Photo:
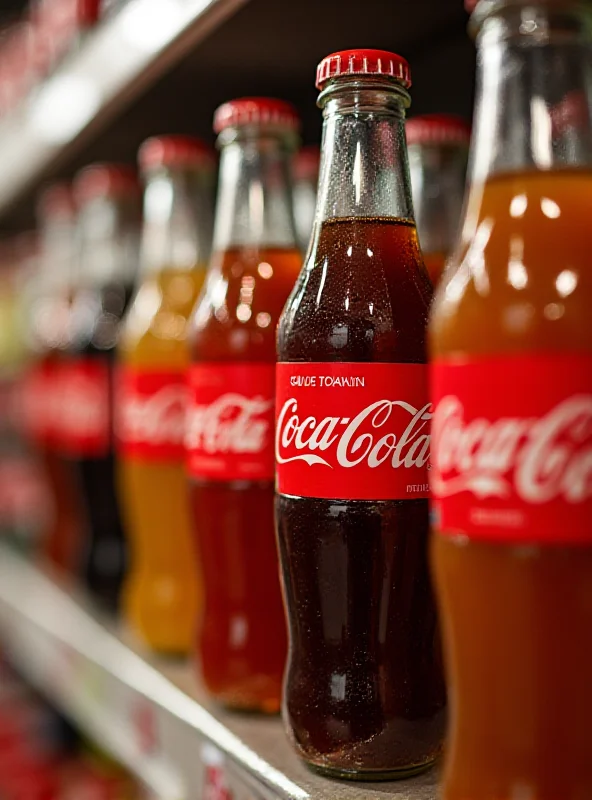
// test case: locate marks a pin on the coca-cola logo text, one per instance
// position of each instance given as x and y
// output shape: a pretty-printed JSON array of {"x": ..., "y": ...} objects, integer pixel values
[
  {"x": 538, "y": 459},
  {"x": 347, "y": 442},
  {"x": 231, "y": 424},
  {"x": 154, "y": 419}
]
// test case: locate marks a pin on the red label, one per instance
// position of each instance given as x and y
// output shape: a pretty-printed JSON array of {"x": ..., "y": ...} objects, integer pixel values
[
  {"x": 84, "y": 426},
  {"x": 39, "y": 398},
  {"x": 353, "y": 431},
  {"x": 230, "y": 421},
  {"x": 151, "y": 412},
  {"x": 215, "y": 781},
  {"x": 512, "y": 455}
]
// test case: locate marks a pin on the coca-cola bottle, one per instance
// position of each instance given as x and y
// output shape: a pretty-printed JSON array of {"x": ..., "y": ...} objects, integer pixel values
[
  {"x": 364, "y": 694},
  {"x": 255, "y": 262},
  {"x": 49, "y": 299},
  {"x": 109, "y": 201},
  {"x": 438, "y": 146},
  {"x": 511, "y": 346}
]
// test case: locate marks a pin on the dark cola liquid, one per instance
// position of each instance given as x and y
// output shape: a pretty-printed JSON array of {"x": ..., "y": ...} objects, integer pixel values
[
  {"x": 104, "y": 553},
  {"x": 364, "y": 692}
]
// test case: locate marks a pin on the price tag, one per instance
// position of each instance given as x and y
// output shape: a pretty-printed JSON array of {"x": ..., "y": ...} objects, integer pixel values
[
  {"x": 145, "y": 726},
  {"x": 215, "y": 779}
]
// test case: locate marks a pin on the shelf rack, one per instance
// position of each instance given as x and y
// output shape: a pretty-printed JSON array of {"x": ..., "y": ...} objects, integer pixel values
[
  {"x": 115, "y": 62},
  {"x": 162, "y": 66},
  {"x": 150, "y": 714}
]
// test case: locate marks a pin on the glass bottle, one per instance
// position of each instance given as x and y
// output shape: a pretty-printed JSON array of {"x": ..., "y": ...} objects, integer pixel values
[
  {"x": 161, "y": 589},
  {"x": 49, "y": 299},
  {"x": 108, "y": 197},
  {"x": 242, "y": 636},
  {"x": 511, "y": 343},
  {"x": 306, "y": 178},
  {"x": 438, "y": 146},
  {"x": 364, "y": 694}
]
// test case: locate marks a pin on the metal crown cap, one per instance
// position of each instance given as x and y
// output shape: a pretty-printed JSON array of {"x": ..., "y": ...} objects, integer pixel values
[
  {"x": 438, "y": 129},
  {"x": 256, "y": 111},
  {"x": 175, "y": 151},
  {"x": 105, "y": 180},
  {"x": 364, "y": 62}
]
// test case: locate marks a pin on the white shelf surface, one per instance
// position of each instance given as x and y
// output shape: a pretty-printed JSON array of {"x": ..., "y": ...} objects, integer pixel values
[
  {"x": 152, "y": 715},
  {"x": 125, "y": 53}
]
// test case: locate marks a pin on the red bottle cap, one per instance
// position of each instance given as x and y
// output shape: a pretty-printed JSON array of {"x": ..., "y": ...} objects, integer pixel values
[
  {"x": 306, "y": 163},
  {"x": 56, "y": 200},
  {"x": 105, "y": 180},
  {"x": 438, "y": 129},
  {"x": 175, "y": 151},
  {"x": 364, "y": 62},
  {"x": 256, "y": 111}
]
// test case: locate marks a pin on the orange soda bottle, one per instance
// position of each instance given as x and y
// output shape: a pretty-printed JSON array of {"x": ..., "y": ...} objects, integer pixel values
[{"x": 161, "y": 592}]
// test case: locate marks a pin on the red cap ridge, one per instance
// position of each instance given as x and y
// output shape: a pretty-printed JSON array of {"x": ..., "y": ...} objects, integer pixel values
[
  {"x": 175, "y": 151},
  {"x": 437, "y": 129},
  {"x": 256, "y": 111},
  {"x": 105, "y": 180},
  {"x": 364, "y": 62}
]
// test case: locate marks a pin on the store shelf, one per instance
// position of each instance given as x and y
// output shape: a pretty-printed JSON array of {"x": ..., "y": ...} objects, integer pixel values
[
  {"x": 125, "y": 53},
  {"x": 152, "y": 716}
]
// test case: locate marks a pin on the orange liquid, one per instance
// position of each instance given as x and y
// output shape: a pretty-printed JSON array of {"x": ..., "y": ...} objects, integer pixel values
[
  {"x": 242, "y": 642},
  {"x": 517, "y": 620},
  {"x": 161, "y": 593},
  {"x": 435, "y": 263}
]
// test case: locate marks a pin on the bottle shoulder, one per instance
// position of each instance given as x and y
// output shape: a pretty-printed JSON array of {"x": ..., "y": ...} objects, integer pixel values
[
  {"x": 514, "y": 295},
  {"x": 363, "y": 295},
  {"x": 156, "y": 326},
  {"x": 237, "y": 315}
]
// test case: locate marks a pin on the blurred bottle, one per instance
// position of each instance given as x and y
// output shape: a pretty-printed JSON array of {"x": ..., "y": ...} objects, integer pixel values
[
  {"x": 109, "y": 201},
  {"x": 306, "y": 176},
  {"x": 24, "y": 501},
  {"x": 511, "y": 386},
  {"x": 438, "y": 146},
  {"x": 49, "y": 295},
  {"x": 161, "y": 594},
  {"x": 242, "y": 638}
]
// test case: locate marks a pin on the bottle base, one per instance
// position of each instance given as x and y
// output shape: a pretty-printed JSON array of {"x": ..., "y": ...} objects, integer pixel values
[{"x": 368, "y": 776}]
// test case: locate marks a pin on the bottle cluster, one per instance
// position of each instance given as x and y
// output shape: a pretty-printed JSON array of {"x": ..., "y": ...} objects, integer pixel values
[{"x": 245, "y": 451}]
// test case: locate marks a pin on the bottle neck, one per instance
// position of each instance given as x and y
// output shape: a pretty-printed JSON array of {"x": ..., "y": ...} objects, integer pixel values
[
  {"x": 177, "y": 220},
  {"x": 438, "y": 174},
  {"x": 364, "y": 168},
  {"x": 108, "y": 231},
  {"x": 254, "y": 207},
  {"x": 534, "y": 90},
  {"x": 57, "y": 254}
]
